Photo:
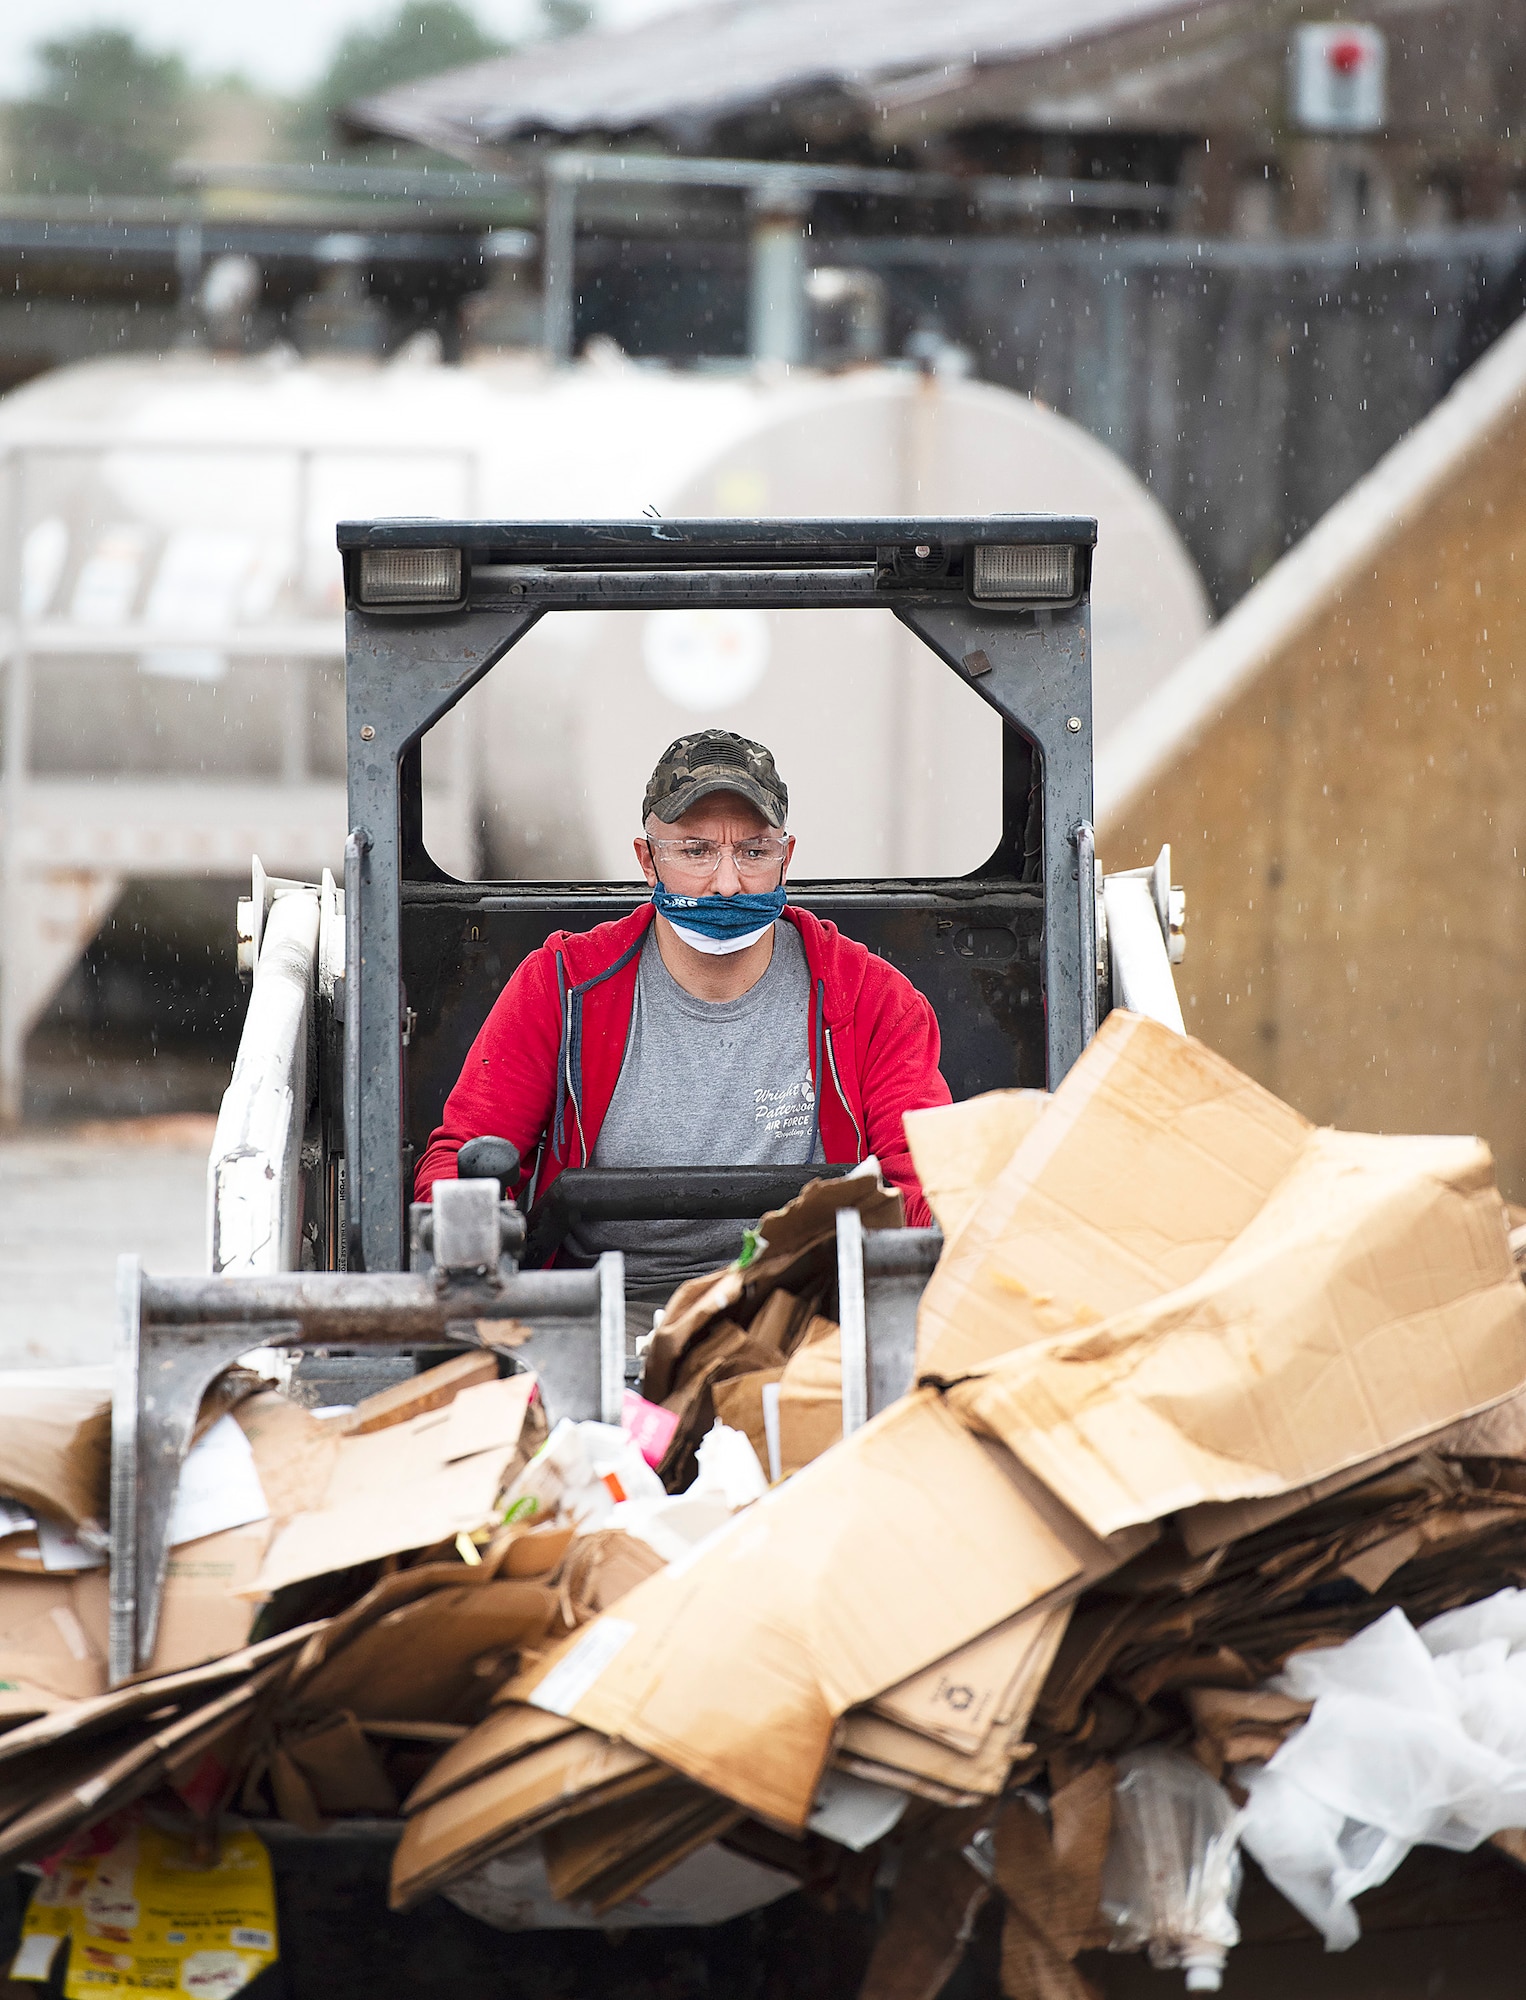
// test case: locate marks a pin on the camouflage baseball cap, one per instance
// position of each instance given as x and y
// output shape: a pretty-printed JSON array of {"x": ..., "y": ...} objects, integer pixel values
[{"x": 714, "y": 760}]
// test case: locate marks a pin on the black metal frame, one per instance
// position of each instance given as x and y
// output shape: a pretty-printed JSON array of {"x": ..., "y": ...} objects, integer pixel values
[{"x": 407, "y": 666}]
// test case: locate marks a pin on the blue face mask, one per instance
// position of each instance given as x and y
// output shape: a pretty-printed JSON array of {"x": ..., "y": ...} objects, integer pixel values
[{"x": 719, "y": 924}]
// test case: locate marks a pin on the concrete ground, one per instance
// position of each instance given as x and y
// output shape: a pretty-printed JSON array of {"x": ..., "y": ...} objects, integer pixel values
[{"x": 71, "y": 1201}]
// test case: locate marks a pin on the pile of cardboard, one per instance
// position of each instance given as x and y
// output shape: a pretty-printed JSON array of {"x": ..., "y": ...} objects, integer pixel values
[
  {"x": 1194, "y": 1387},
  {"x": 1199, "y": 1385},
  {"x": 752, "y": 1346}
]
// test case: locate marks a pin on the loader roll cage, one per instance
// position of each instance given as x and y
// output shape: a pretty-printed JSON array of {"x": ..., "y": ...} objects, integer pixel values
[
  {"x": 1008, "y": 955},
  {"x": 347, "y": 1055}
]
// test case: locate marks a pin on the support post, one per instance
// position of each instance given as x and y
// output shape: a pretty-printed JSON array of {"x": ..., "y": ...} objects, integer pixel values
[
  {"x": 776, "y": 307},
  {"x": 558, "y": 271},
  {"x": 1034, "y": 668},
  {"x": 401, "y": 676},
  {"x": 853, "y": 1329}
]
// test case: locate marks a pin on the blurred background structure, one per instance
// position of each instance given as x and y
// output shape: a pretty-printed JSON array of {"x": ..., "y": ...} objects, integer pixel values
[
  {"x": 1335, "y": 766},
  {"x": 1197, "y": 268}
]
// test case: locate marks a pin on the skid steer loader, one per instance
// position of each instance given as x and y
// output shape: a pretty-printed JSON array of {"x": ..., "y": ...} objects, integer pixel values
[{"x": 366, "y": 994}]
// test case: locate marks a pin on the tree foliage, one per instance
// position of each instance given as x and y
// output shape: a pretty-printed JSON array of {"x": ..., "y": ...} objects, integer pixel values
[
  {"x": 567, "y": 17},
  {"x": 423, "y": 38},
  {"x": 108, "y": 117}
]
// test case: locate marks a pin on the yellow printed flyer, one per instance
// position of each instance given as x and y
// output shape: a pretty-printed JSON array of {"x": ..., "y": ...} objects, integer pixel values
[{"x": 153, "y": 1919}]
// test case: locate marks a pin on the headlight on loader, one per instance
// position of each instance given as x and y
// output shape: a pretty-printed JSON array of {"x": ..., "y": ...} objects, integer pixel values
[
  {"x": 410, "y": 576},
  {"x": 1032, "y": 575}
]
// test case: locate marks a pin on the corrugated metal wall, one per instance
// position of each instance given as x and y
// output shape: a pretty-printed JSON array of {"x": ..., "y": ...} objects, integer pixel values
[{"x": 1249, "y": 384}]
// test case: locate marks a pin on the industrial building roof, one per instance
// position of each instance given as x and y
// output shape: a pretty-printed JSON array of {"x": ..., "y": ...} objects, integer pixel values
[{"x": 691, "y": 70}]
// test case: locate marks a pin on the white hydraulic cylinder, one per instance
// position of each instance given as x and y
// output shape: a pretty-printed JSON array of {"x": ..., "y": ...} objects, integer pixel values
[
  {"x": 1141, "y": 961},
  {"x": 254, "y": 1212}
]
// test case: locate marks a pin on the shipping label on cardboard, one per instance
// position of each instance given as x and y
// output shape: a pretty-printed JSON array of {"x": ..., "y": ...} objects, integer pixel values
[{"x": 572, "y": 1676}]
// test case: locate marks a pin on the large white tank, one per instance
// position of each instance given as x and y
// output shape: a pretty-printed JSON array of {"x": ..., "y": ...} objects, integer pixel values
[
  {"x": 178, "y": 590},
  {"x": 893, "y": 764}
]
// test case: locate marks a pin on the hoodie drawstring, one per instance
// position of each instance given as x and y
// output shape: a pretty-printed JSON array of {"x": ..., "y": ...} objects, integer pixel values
[
  {"x": 821, "y": 1014},
  {"x": 569, "y": 1067}
]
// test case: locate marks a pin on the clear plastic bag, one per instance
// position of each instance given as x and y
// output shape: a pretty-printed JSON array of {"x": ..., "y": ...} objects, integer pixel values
[
  {"x": 1172, "y": 1873},
  {"x": 1416, "y": 1738}
]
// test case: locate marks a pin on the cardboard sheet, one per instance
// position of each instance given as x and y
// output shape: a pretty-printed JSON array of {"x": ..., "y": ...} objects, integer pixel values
[
  {"x": 872, "y": 1746},
  {"x": 739, "y": 1404},
  {"x": 932, "y": 1910},
  {"x": 22, "y": 1701},
  {"x": 574, "y": 1773},
  {"x": 990, "y": 1684},
  {"x": 342, "y": 1771},
  {"x": 1369, "y": 1300},
  {"x": 1214, "y": 1524},
  {"x": 419, "y": 1393},
  {"x": 1050, "y": 1873},
  {"x": 43, "y": 1643},
  {"x": 118, "y": 1776},
  {"x": 1149, "y": 1160},
  {"x": 1498, "y": 1432},
  {"x": 509, "y": 1732},
  {"x": 55, "y": 1441},
  {"x": 427, "y": 1658},
  {"x": 408, "y": 1486},
  {"x": 905, "y": 1542},
  {"x": 205, "y": 1610},
  {"x": 810, "y": 1400},
  {"x": 81, "y": 1720},
  {"x": 294, "y": 1452},
  {"x": 959, "y": 1149},
  {"x": 604, "y": 1857}
]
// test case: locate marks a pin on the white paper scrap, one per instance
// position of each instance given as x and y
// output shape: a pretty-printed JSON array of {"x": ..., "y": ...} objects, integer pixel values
[
  {"x": 219, "y": 1487},
  {"x": 35, "y": 1958},
  {"x": 570, "y": 1679},
  {"x": 853, "y": 1812},
  {"x": 14, "y": 1518},
  {"x": 61, "y": 1550}
]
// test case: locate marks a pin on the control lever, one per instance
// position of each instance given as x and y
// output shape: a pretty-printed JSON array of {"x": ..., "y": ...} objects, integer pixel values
[
  {"x": 489, "y": 1159},
  {"x": 478, "y": 1234}
]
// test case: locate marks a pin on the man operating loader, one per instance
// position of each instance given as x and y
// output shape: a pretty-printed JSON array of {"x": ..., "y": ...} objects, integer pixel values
[{"x": 717, "y": 1025}]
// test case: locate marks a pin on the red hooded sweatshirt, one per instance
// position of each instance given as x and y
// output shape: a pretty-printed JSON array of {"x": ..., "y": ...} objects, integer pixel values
[{"x": 543, "y": 1069}]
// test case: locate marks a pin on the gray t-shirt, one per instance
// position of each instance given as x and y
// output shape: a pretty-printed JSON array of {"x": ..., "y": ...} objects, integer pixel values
[{"x": 704, "y": 1083}]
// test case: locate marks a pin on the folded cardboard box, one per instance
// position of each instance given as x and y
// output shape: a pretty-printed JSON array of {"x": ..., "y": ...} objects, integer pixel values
[
  {"x": 871, "y": 1746},
  {"x": 796, "y": 1253},
  {"x": 907, "y": 1541},
  {"x": 987, "y": 1686},
  {"x": 510, "y": 1805},
  {"x": 604, "y": 1857},
  {"x": 1177, "y": 1292},
  {"x": 1149, "y": 1159}
]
